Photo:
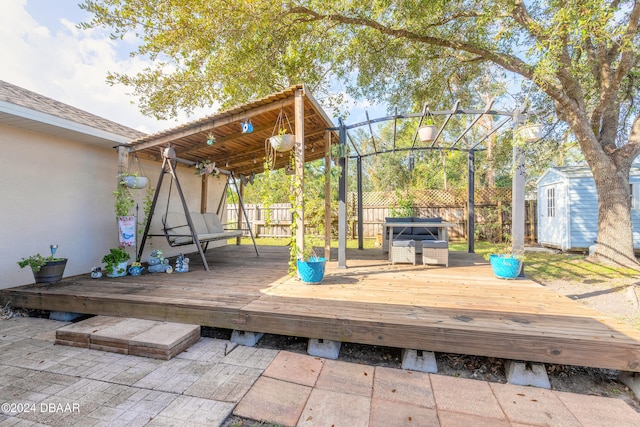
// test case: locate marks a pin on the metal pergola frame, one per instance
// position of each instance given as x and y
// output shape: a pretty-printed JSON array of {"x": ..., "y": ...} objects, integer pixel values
[{"x": 515, "y": 116}]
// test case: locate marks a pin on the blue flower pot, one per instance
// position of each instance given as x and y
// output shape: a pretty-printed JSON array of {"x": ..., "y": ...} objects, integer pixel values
[
  {"x": 505, "y": 267},
  {"x": 311, "y": 271}
]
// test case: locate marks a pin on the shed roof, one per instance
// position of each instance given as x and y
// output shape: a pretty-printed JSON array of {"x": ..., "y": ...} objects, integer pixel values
[
  {"x": 29, "y": 110},
  {"x": 233, "y": 150},
  {"x": 579, "y": 172}
]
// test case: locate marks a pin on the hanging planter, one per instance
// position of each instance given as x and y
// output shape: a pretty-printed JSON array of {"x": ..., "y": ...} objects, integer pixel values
[
  {"x": 134, "y": 181},
  {"x": 427, "y": 133},
  {"x": 282, "y": 142},
  {"x": 134, "y": 177},
  {"x": 531, "y": 132},
  {"x": 282, "y": 138},
  {"x": 427, "y": 130}
]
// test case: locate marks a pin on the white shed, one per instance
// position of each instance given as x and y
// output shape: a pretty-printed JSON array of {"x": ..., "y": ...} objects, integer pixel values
[{"x": 568, "y": 208}]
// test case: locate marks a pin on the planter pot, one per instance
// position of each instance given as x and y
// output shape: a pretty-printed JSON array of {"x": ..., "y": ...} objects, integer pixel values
[
  {"x": 133, "y": 181},
  {"x": 311, "y": 271},
  {"x": 530, "y": 133},
  {"x": 282, "y": 142},
  {"x": 505, "y": 267},
  {"x": 427, "y": 133},
  {"x": 120, "y": 270},
  {"x": 51, "y": 272}
]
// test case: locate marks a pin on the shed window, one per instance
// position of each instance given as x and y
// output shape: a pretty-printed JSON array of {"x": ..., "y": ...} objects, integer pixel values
[
  {"x": 551, "y": 202},
  {"x": 635, "y": 196}
]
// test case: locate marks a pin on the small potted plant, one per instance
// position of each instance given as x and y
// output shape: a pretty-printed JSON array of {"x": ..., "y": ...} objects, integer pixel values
[
  {"x": 310, "y": 267},
  {"x": 506, "y": 264},
  {"x": 116, "y": 262},
  {"x": 45, "y": 269}
]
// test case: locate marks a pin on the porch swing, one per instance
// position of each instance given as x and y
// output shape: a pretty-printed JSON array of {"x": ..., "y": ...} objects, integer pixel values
[{"x": 187, "y": 228}]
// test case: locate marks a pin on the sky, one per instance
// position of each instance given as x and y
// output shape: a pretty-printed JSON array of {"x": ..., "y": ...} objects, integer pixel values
[{"x": 43, "y": 51}]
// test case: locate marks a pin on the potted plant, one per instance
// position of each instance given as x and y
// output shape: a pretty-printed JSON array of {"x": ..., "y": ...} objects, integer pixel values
[
  {"x": 116, "y": 262},
  {"x": 428, "y": 130},
  {"x": 311, "y": 269},
  {"x": 45, "y": 269},
  {"x": 283, "y": 141},
  {"x": 282, "y": 138},
  {"x": 506, "y": 264}
]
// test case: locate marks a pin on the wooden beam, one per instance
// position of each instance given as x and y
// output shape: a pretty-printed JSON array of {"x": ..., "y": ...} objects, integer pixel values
[
  {"x": 327, "y": 195},
  {"x": 299, "y": 164}
]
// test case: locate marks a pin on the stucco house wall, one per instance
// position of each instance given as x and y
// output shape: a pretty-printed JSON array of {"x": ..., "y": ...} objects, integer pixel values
[{"x": 58, "y": 174}]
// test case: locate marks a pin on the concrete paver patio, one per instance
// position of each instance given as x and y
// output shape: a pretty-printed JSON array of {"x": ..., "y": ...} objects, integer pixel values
[{"x": 46, "y": 384}]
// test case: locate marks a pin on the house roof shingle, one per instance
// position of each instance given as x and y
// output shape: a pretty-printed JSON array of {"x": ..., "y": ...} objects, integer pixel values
[{"x": 17, "y": 95}]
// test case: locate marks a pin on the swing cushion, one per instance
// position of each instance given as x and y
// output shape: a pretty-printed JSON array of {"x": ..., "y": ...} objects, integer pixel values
[{"x": 207, "y": 227}]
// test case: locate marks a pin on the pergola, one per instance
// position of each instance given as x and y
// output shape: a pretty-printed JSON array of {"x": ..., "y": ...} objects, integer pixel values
[
  {"x": 224, "y": 139},
  {"x": 456, "y": 142}
]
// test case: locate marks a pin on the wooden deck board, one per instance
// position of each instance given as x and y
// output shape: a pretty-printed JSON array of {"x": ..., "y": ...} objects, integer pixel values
[{"x": 460, "y": 309}]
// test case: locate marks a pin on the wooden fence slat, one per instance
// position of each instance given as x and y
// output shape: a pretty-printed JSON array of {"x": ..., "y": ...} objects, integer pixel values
[{"x": 492, "y": 219}]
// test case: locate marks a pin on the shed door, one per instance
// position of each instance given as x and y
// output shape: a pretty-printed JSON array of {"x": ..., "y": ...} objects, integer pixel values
[{"x": 551, "y": 221}]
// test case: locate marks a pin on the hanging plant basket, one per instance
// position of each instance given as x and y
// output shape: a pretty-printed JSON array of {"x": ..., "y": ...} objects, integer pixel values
[
  {"x": 530, "y": 133},
  {"x": 133, "y": 181},
  {"x": 427, "y": 133},
  {"x": 283, "y": 142},
  {"x": 134, "y": 176}
]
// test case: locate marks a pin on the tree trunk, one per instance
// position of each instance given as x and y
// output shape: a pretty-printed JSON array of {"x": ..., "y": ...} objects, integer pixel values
[{"x": 615, "y": 233}]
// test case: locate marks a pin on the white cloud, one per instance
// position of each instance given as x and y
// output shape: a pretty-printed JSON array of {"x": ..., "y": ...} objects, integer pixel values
[{"x": 70, "y": 65}]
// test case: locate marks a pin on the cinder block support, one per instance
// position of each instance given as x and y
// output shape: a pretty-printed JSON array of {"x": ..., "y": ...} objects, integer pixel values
[
  {"x": 631, "y": 380},
  {"x": 419, "y": 360},
  {"x": 246, "y": 338},
  {"x": 64, "y": 316},
  {"x": 323, "y": 348},
  {"x": 529, "y": 374}
]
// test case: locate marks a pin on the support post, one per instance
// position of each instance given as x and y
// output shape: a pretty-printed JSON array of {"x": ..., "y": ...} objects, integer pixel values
[
  {"x": 204, "y": 190},
  {"x": 518, "y": 193},
  {"x": 327, "y": 195},
  {"x": 360, "y": 213},
  {"x": 240, "y": 210},
  {"x": 123, "y": 160},
  {"x": 342, "y": 198},
  {"x": 471, "y": 201},
  {"x": 299, "y": 168}
]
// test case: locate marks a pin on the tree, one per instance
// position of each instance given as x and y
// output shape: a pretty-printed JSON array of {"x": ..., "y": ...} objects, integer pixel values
[{"x": 582, "y": 55}]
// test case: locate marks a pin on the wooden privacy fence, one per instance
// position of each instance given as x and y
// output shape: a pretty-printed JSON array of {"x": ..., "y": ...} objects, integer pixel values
[{"x": 492, "y": 210}]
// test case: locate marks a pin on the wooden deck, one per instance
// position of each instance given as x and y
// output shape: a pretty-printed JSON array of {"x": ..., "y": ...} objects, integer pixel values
[{"x": 461, "y": 309}]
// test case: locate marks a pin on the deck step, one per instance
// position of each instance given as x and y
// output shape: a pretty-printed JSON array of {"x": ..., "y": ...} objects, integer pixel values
[{"x": 147, "y": 338}]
